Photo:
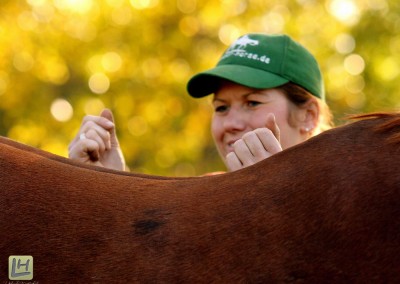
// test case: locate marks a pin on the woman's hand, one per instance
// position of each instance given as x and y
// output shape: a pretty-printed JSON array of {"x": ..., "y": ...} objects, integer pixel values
[
  {"x": 255, "y": 145},
  {"x": 96, "y": 142}
]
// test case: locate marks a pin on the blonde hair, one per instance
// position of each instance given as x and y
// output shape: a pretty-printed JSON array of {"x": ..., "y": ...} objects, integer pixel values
[{"x": 299, "y": 96}]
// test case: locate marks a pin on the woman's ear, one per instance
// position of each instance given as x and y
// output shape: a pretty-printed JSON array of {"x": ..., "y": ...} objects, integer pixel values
[{"x": 310, "y": 117}]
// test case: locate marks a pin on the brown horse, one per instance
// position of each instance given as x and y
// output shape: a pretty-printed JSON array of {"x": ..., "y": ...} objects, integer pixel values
[{"x": 327, "y": 210}]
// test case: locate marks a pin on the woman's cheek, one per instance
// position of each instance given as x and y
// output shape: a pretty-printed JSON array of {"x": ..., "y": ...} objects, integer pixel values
[{"x": 217, "y": 134}]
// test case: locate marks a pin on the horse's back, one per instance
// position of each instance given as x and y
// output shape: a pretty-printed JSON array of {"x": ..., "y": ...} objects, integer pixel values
[{"x": 323, "y": 211}]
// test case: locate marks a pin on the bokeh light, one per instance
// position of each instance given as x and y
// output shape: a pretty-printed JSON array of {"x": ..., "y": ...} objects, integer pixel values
[
  {"x": 354, "y": 64},
  {"x": 345, "y": 11},
  {"x": 143, "y": 4},
  {"x": 77, "y": 6},
  {"x": 388, "y": 69},
  {"x": 99, "y": 83},
  {"x": 186, "y": 6},
  {"x": 111, "y": 61},
  {"x": 345, "y": 43},
  {"x": 23, "y": 61},
  {"x": 61, "y": 110}
]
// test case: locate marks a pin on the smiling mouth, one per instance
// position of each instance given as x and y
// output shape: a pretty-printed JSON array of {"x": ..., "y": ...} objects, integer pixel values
[{"x": 229, "y": 146}]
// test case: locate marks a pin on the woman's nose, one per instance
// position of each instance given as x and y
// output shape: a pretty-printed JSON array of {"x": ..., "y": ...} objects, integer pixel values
[{"x": 235, "y": 120}]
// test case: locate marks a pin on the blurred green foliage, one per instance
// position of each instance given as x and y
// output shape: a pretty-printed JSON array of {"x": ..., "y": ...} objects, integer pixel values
[{"x": 63, "y": 59}]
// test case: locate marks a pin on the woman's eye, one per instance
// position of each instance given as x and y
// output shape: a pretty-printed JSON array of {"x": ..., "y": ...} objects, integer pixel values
[
  {"x": 220, "y": 108},
  {"x": 253, "y": 103}
]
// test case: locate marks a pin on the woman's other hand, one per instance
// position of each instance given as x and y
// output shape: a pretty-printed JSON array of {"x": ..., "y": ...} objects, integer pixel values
[{"x": 96, "y": 142}]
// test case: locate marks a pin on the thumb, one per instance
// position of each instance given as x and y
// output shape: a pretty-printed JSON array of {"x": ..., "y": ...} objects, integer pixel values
[
  {"x": 271, "y": 125},
  {"x": 107, "y": 113}
]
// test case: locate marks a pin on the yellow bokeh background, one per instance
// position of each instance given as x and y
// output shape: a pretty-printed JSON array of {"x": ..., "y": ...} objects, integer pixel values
[{"x": 63, "y": 59}]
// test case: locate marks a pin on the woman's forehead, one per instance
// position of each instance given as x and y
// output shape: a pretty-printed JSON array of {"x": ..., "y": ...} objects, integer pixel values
[{"x": 241, "y": 92}]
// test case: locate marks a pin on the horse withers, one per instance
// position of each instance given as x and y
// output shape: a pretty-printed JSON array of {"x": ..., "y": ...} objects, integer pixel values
[{"x": 326, "y": 210}]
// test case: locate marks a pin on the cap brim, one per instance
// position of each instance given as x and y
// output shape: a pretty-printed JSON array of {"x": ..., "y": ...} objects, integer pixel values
[{"x": 207, "y": 82}]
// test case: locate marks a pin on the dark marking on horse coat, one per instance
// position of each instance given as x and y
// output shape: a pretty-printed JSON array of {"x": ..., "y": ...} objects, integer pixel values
[
  {"x": 327, "y": 210},
  {"x": 144, "y": 227}
]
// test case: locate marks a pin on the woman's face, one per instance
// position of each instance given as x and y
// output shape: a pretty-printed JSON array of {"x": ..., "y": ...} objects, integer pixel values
[{"x": 239, "y": 109}]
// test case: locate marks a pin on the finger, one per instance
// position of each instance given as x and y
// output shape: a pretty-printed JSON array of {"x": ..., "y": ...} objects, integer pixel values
[
  {"x": 95, "y": 131},
  {"x": 107, "y": 114},
  {"x": 255, "y": 146},
  {"x": 85, "y": 150},
  {"x": 91, "y": 121},
  {"x": 101, "y": 137},
  {"x": 232, "y": 162},
  {"x": 243, "y": 153},
  {"x": 104, "y": 122},
  {"x": 91, "y": 134},
  {"x": 273, "y": 126},
  {"x": 100, "y": 124},
  {"x": 268, "y": 140}
]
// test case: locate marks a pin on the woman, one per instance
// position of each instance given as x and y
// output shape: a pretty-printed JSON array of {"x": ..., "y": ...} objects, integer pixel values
[{"x": 268, "y": 96}]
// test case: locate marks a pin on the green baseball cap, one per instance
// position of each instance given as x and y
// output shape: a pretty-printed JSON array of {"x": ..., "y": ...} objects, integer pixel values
[{"x": 262, "y": 61}]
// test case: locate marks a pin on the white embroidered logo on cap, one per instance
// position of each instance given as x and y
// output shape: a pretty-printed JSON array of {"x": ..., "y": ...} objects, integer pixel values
[
  {"x": 243, "y": 42},
  {"x": 238, "y": 49}
]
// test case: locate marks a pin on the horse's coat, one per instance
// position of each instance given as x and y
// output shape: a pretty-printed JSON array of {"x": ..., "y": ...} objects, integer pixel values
[{"x": 327, "y": 210}]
